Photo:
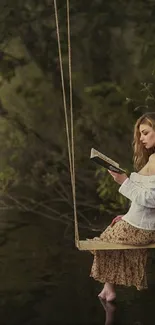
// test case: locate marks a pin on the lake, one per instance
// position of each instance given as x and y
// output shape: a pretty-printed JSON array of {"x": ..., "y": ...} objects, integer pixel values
[{"x": 44, "y": 279}]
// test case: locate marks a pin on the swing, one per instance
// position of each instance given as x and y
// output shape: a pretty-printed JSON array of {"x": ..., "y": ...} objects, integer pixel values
[{"x": 83, "y": 245}]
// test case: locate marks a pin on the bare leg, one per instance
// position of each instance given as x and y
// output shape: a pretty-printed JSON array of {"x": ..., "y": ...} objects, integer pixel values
[{"x": 108, "y": 293}]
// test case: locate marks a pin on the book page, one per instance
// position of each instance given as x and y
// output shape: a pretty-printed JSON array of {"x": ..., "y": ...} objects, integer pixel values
[{"x": 95, "y": 153}]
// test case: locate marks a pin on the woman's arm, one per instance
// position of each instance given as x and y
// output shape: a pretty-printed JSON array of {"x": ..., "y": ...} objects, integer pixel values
[{"x": 140, "y": 195}]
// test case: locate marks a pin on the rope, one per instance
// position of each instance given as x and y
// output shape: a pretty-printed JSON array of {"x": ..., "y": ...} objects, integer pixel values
[
  {"x": 72, "y": 125},
  {"x": 70, "y": 143}
]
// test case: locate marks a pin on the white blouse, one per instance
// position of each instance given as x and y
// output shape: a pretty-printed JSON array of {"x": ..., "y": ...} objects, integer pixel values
[{"x": 140, "y": 189}]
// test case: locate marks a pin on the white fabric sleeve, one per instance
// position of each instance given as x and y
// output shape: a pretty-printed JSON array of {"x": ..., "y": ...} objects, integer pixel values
[{"x": 138, "y": 194}]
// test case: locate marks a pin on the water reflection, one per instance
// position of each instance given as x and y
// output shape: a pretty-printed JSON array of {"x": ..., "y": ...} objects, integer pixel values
[
  {"x": 110, "y": 309},
  {"x": 128, "y": 313},
  {"x": 44, "y": 279}
]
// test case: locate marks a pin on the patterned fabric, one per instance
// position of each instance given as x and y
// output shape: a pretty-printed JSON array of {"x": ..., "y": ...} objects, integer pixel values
[{"x": 123, "y": 267}]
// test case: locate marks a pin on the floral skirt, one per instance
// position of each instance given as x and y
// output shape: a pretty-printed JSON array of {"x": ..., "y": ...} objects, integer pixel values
[{"x": 123, "y": 267}]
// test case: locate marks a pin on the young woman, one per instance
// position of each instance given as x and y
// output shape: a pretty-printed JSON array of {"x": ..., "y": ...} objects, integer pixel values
[{"x": 137, "y": 226}]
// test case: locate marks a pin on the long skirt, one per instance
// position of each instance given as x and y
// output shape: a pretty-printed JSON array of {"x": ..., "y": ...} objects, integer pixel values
[{"x": 123, "y": 267}]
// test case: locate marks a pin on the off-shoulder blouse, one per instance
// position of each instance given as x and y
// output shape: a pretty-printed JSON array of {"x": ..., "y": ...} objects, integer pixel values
[{"x": 140, "y": 189}]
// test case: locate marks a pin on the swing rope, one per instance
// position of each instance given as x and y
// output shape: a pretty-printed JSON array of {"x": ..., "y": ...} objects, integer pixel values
[
  {"x": 82, "y": 245},
  {"x": 69, "y": 132}
]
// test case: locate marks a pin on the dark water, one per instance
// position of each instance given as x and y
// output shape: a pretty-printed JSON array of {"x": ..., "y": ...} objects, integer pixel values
[{"x": 44, "y": 279}]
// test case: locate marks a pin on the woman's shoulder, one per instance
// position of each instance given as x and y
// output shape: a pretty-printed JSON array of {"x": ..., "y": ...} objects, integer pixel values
[
  {"x": 151, "y": 165},
  {"x": 152, "y": 158},
  {"x": 147, "y": 173}
]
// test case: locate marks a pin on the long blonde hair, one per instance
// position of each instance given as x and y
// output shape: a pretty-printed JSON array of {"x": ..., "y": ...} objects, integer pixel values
[{"x": 141, "y": 154}]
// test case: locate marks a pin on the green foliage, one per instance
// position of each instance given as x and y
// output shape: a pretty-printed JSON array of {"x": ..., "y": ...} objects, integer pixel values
[
  {"x": 8, "y": 178},
  {"x": 113, "y": 83},
  {"x": 107, "y": 189}
]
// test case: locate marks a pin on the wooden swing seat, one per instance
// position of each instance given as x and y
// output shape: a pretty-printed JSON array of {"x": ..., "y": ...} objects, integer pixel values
[{"x": 88, "y": 245}]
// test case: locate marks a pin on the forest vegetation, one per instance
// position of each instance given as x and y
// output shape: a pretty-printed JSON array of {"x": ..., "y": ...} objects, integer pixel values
[{"x": 113, "y": 67}]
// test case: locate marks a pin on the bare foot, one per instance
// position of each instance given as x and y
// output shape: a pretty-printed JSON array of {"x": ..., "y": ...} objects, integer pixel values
[{"x": 108, "y": 292}]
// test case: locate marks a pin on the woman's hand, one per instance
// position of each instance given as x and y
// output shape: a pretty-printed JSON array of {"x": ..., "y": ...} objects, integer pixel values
[
  {"x": 116, "y": 219},
  {"x": 119, "y": 178}
]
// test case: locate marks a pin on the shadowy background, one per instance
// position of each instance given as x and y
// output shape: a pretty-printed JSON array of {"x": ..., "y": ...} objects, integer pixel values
[{"x": 44, "y": 279}]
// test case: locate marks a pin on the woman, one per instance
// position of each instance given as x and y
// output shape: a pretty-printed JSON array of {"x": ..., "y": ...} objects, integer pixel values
[{"x": 137, "y": 226}]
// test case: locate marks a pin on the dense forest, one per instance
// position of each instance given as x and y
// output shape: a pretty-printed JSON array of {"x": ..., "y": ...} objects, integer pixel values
[{"x": 113, "y": 67}]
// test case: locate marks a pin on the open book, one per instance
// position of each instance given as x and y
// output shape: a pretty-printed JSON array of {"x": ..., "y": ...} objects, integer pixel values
[{"x": 106, "y": 162}]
